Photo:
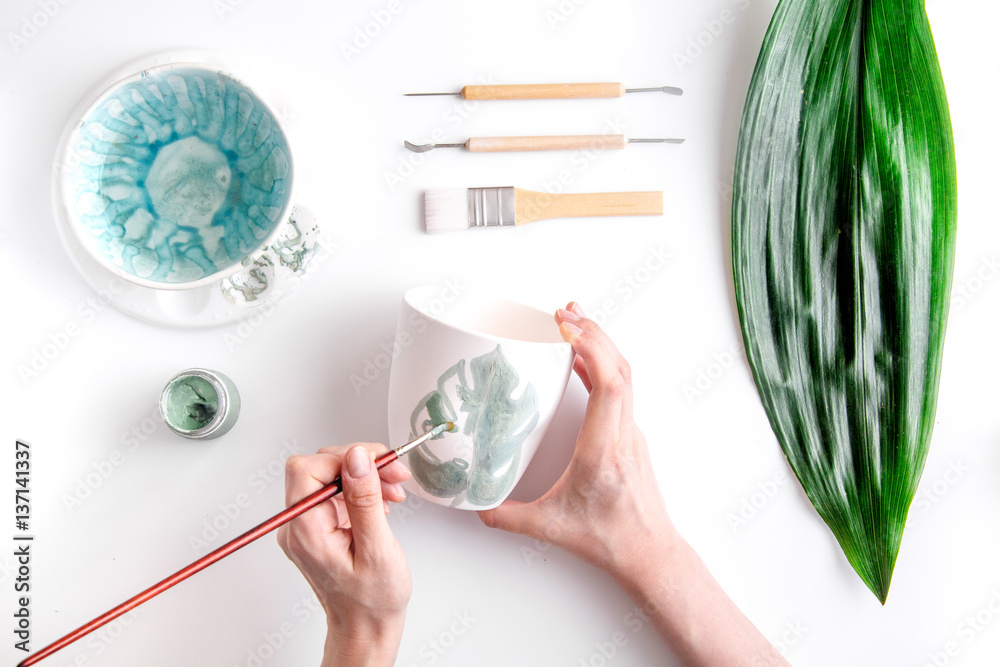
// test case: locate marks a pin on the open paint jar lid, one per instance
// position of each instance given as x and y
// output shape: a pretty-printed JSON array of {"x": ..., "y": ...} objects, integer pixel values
[{"x": 200, "y": 404}]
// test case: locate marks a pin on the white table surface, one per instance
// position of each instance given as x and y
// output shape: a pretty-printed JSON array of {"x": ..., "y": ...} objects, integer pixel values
[{"x": 480, "y": 597}]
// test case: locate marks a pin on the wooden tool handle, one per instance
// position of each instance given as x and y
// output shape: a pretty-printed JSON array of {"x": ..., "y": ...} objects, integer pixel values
[
  {"x": 531, "y": 205},
  {"x": 552, "y": 143},
  {"x": 544, "y": 91}
]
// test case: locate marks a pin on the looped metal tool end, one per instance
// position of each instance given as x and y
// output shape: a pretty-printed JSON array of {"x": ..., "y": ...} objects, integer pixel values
[{"x": 423, "y": 148}]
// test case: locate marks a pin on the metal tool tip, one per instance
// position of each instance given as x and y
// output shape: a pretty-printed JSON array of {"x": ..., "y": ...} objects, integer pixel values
[
  {"x": 670, "y": 90},
  {"x": 656, "y": 141},
  {"x": 418, "y": 148}
]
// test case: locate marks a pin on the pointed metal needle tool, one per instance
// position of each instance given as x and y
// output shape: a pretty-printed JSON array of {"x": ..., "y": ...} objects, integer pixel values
[
  {"x": 669, "y": 90},
  {"x": 542, "y": 143},
  {"x": 656, "y": 141},
  {"x": 279, "y": 519},
  {"x": 550, "y": 91}
]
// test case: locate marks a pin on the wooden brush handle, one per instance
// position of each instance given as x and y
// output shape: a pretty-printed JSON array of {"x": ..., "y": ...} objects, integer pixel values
[
  {"x": 544, "y": 91},
  {"x": 531, "y": 205},
  {"x": 552, "y": 143}
]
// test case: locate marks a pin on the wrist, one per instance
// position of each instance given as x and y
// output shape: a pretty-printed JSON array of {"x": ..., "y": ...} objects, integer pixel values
[
  {"x": 647, "y": 561},
  {"x": 373, "y": 643}
]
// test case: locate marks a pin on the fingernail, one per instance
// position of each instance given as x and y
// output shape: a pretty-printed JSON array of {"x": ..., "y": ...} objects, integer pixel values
[
  {"x": 359, "y": 462},
  {"x": 578, "y": 309},
  {"x": 567, "y": 315},
  {"x": 400, "y": 490},
  {"x": 569, "y": 331}
]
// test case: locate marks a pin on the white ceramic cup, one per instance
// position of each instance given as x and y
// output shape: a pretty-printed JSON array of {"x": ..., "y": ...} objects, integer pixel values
[{"x": 496, "y": 368}]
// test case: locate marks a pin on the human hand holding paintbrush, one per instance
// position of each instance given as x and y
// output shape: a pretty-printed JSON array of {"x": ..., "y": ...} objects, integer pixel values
[{"x": 346, "y": 551}]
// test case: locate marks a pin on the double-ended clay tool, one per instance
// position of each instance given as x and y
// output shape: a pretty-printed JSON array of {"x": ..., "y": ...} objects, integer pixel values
[
  {"x": 455, "y": 209},
  {"x": 571, "y": 142},
  {"x": 279, "y": 519},
  {"x": 550, "y": 91}
]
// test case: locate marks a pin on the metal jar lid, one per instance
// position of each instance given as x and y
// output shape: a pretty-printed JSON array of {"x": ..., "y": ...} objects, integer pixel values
[{"x": 200, "y": 404}]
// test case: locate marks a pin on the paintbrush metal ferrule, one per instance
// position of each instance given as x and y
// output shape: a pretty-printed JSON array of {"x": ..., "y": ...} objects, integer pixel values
[
  {"x": 433, "y": 433},
  {"x": 492, "y": 207}
]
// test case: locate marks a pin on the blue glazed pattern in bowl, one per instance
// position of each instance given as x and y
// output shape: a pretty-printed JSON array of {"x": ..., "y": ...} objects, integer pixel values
[{"x": 175, "y": 175}]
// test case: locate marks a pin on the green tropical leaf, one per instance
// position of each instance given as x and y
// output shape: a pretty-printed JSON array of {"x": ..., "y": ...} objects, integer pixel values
[{"x": 844, "y": 210}]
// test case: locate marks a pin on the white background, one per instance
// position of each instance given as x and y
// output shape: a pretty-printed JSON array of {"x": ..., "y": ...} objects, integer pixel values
[{"x": 712, "y": 451}]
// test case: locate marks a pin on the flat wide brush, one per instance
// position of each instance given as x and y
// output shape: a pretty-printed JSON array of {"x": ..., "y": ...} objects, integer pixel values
[
  {"x": 455, "y": 209},
  {"x": 279, "y": 519}
]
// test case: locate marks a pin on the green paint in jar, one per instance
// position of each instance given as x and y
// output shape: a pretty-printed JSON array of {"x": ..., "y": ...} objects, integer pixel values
[{"x": 199, "y": 403}]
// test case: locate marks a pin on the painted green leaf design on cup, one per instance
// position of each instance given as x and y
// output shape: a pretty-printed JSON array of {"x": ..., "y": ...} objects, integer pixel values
[
  {"x": 497, "y": 421},
  {"x": 441, "y": 479},
  {"x": 844, "y": 221}
]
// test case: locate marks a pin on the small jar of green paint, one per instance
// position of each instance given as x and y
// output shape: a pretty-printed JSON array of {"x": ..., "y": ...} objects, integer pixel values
[{"x": 200, "y": 404}]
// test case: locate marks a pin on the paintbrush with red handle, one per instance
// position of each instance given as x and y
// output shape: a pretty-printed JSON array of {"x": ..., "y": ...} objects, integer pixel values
[{"x": 279, "y": 519}]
